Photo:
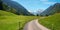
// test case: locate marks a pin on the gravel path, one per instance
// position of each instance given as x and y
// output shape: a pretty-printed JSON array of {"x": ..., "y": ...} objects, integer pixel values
[{"x": 34, "y": 25}]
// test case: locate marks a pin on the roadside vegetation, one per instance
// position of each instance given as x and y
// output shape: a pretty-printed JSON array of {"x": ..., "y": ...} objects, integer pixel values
[{"x": 52, "y": 22}]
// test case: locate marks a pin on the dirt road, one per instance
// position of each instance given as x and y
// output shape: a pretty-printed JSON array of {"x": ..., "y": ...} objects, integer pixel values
[{"x": 34, "y": 25}]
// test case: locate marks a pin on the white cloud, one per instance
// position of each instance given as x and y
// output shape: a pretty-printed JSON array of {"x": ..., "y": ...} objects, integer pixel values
[
  {"x": 43, "y": 0},
  {"x": 32, "y": 10},
  {"x": 29, "y": 10},
  {"x": 47, "y": 2},
  {"x": 14, "y": 0}
]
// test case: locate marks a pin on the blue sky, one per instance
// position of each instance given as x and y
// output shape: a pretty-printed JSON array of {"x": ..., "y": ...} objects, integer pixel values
[{"x": 34, "y": 5}]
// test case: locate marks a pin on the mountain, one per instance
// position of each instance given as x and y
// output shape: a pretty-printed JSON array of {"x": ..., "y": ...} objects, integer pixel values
[
  {"x": 39, "y": 11},
  {"x": 51, "y": 10},
  {"x": 1, "y": 5},
  {"x": 18, "y": 9}
]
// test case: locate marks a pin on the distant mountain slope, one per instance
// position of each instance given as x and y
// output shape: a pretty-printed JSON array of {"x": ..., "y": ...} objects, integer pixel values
[
  {"x": 51, "y": 10},
  {"x": 39, "y": 11},
  {"x": 19, "y": 9},
  {"x": 1, "y": 5}
]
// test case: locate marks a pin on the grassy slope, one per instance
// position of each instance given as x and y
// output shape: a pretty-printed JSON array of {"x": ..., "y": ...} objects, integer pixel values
[
  {"x": 3, "y": 13},
  {"x": 51, "y": 22},
  {"x": 9, "y": 21}
]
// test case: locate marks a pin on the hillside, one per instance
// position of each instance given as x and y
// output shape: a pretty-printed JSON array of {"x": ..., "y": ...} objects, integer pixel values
[
  {"x": 1, "y": 5},
  {"x": 10, "y": 21},
  {"x": 51, "y": 10},
  {"x": 4, "y": 13},
  {"x": 51, "y": 22},
  {"x": 14, "y": 7}
]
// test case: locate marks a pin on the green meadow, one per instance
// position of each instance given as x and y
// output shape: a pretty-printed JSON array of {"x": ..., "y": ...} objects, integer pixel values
[
  {"x": 52, "y": 22},
  {"x": 10, "y": 21}
]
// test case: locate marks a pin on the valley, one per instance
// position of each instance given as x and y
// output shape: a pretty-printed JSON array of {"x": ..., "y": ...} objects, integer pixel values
[{"x": 14, "y": 16}]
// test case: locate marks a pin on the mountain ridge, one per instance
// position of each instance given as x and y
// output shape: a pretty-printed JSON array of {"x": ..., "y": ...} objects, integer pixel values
[
  {"x": 19, "y": 9},
  {"x": 51, "y": 10}
]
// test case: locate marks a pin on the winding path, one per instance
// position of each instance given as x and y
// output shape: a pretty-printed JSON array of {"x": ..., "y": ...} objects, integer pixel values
[{"x": 34, "y": 25}]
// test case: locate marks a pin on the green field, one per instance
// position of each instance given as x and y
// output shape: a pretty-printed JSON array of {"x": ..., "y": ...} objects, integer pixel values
[
  {"x": 51, "y": 22},
  {"x": 10, "y": 21}
]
